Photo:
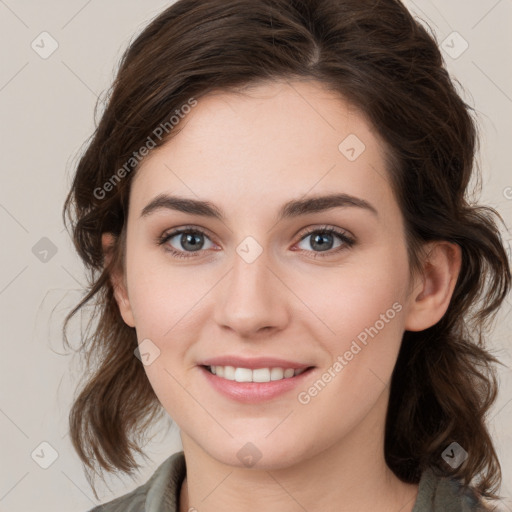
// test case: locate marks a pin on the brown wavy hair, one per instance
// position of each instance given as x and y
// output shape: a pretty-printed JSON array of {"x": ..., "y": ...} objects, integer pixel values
[{"x": 388, "y": 65}]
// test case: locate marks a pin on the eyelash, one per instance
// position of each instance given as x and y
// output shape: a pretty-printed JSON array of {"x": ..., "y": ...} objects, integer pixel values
[{"x": 347, "y": 241}]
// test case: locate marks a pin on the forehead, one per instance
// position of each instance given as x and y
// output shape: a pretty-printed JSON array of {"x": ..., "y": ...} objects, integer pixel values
[{"x": 275, "y": 141}]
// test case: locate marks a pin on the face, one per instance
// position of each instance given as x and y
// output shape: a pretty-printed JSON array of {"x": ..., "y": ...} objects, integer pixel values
[{"x": 267, "y": 281}]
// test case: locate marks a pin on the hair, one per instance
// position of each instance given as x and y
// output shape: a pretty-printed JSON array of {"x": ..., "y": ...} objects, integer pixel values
[{"x": 382, "y": 61}]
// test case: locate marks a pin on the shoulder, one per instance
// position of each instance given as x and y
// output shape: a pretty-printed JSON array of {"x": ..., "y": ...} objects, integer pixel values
[
  {"x": 438, "y": 493},
  {"x": 159, "y": 494}
]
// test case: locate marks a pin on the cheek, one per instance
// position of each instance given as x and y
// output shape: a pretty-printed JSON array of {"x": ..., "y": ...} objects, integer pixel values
[
  {"x": 352, "y": 297},
  {"x": 362, "y": 310},
  {"x": 161, "y": 294}
]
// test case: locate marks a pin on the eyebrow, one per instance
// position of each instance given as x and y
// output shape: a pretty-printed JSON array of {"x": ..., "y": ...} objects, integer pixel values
[{"x": 293, "y": 208}]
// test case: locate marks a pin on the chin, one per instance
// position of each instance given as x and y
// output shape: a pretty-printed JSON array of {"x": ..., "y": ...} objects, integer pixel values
[{"x": 262, "y": 454}]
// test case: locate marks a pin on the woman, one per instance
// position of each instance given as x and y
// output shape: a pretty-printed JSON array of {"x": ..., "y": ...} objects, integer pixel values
[{"x": 274, "y": 211}]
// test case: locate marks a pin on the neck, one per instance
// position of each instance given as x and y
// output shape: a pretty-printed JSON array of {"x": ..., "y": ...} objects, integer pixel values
[{"x": 350, "y": 475}]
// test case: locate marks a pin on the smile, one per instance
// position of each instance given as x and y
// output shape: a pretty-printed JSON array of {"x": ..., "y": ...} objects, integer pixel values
[{"x": 263, "y": 381}]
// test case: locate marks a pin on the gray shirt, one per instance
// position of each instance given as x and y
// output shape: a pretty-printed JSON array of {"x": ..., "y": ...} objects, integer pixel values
[{"x": 161, "y": 493}]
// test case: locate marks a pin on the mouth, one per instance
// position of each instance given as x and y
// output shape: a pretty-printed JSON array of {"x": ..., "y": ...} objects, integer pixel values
[{"x": 256, "y": 380}]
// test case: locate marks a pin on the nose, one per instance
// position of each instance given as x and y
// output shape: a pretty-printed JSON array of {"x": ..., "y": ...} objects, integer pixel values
[{"x": 252, "y": 300}]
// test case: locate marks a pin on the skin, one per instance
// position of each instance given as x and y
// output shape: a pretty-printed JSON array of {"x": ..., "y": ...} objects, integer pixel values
[{"x": 248, "y": 154}]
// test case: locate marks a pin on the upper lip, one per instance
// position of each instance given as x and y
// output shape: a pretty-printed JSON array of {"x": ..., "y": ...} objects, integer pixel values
[{"x": 253, "y": 363}]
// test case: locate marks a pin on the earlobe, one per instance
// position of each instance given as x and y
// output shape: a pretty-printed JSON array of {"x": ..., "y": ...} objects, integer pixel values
[
  {"x": 117, "y": 280},
  {"x": 431, "y": 296}
]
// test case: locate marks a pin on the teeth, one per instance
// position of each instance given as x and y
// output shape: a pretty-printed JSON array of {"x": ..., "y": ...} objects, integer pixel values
[
  {"x": 258, "y": 375},
  {"x": 243, "y": 375},
  {"x": 229, "y": 372},
  {"x": 276, "y": 374},
  {"x": 261, "y": 375}
]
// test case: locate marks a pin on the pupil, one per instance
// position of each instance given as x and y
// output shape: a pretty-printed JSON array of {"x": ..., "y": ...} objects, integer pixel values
[
  {"x": 321, "y": 242},
  {"x": 194, "y": 241}
]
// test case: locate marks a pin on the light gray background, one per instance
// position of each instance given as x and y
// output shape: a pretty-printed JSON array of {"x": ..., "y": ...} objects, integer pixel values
[{"x": 47, "y": 113}]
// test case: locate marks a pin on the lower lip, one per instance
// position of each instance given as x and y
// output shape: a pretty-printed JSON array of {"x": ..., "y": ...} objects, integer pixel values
[{"x": 254, "y": 392}]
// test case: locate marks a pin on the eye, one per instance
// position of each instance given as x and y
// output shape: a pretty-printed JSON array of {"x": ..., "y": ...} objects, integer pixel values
[
  {"x": 323, "y": 240},
  {"x": 185, "y": 240}
]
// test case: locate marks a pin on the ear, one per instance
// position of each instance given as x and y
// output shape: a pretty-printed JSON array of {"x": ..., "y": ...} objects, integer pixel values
[
  {"x": 433, "y": 289},
  {"x": 117, "y": 280}
]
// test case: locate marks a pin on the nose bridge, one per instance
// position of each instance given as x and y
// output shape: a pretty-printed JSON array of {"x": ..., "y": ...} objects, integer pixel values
[{"x": 251, "y": 300}]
